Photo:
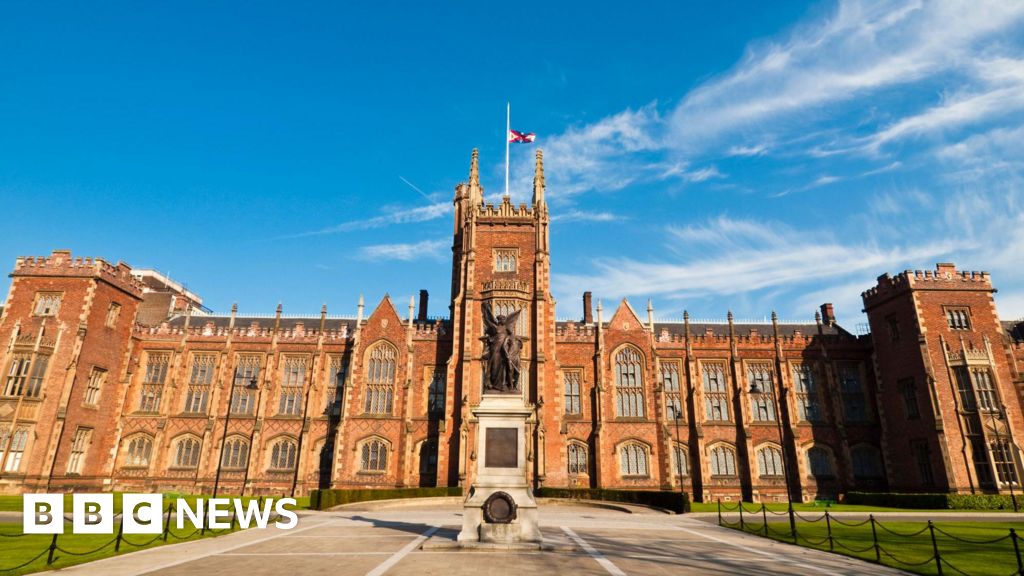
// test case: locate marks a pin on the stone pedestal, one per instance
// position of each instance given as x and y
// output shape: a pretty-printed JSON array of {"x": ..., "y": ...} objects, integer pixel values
[{"x": 500, "y": 507}]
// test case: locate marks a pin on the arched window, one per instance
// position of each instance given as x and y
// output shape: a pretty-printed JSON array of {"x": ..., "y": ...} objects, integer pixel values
[
  {"x": 769, "y": 461},
  {"x": 428, "y": 458},
  {"x": 374, "y": 456},
  {"x": 572, "y": 391},
  {"x": 629, "y": 382},
  {"x": 15, "y": 450},
  {"x": 866, "y": 463},
  {"x": 282, "y": 455},
  {"x": 819, "y": 463},
  {"x": 681, "y": 460},
  {"x": 716, "y": 395},
  {"x": 723, "y": 461},
  {"x": 577, "y": 458},
  {"x": 186, "y": 454},
  {"x": 633, "y": 460},
  {"x": 235, "y": 453},
  {"x": 380, "y": 379},
  {"x": 139, "y": 450}
]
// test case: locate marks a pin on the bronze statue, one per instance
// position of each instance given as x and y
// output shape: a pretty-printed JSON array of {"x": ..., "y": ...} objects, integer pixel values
[{"x": 503, "y": 349}]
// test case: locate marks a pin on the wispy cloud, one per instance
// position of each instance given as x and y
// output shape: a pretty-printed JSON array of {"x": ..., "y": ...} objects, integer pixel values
[
  {"x": 399, "y": 216},
  {"x": 406, "y": 252},
  {"x": 585, "y": 216}
]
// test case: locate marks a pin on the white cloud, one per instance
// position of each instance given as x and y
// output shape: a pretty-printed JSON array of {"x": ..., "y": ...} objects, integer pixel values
[
  {"x": 433, "y": 249},
  {"x": 398, "y": 216},
  {"x": 584, "y": 216}
]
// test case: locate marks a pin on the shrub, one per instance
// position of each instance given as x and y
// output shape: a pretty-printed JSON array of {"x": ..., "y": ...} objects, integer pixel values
[
  {"x": 678, "y": 502},
  {"x": 931, "y": 501},
  {"x": 323, "y": 499}
]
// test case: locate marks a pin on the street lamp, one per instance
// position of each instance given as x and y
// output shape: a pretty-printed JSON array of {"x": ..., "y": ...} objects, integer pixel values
[
  {"x": 227, "y": 418},
  {"x": 252, "y": 434},
  {"x": 678, "y": 413}
]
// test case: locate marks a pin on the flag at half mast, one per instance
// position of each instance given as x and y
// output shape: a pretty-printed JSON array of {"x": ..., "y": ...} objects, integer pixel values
[{"x": 521, "y": 137}]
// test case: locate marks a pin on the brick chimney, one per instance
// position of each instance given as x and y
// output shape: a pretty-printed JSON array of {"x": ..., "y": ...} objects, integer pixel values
[
  {"x": 424, "y": 298},
  {"x": 588, "y": 310},
  {"x": 828, "y": 315}
]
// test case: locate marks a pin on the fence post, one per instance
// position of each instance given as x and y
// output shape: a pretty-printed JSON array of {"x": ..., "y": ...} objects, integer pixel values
[
  {"x": 167, "y": 522},
  {"x": 719, "y": 511},
  {"x": 120, "y": 535},
  {"x": 53, "y": 548},
  {"x": 792, "y": 522},
  {"x": 828, "y": 526},
  {"x": 935, "y": 547},
  {"x": 742, "y": 529},
  {"x": 764, "y": 515},
  {"x": 1016, "y": 550},
  {"x": 874, "y": 539}
]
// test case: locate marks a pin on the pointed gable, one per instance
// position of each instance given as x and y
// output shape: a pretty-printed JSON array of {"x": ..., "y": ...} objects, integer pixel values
[
  {"x": 625, "y": 318},
  {"x": 385, "y": 316}
]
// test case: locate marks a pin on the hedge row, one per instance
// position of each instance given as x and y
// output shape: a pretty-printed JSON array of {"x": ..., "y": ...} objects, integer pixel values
[
  {"x": 932, "y": 501},
  {"x": 678, "y": 502},
  {"x": 323, "y": 499}
]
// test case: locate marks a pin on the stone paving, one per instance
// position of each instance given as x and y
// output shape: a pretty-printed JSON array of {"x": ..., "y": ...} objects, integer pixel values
[{"x": 417, "y": 541}]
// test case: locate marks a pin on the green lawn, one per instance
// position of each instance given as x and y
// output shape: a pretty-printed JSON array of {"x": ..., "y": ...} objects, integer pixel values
[
  {"x": 13, "y": 503},
  {"x": 976, "y": 548},
  {"x": 32, "y": 550},
  {"x": 812, "y": 507}
]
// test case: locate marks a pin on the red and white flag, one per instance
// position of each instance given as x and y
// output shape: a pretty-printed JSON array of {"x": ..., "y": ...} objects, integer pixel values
[{"x": 521, "y": 137}]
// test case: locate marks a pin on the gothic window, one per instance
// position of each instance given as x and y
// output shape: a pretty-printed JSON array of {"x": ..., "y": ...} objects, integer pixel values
[
  {"x": 818, "y": 463},
  {"x": 140, "y": 448},
  {"x": 506, "y": 307},
  {"x": 199, "y": 383},
  {"x": 373, "y": 456},
  {"x": 979, "y": 455},
  {"x": 428, "y": 459},
  {"x": 380, "y": 379},
  {"x": 923, "y": 460},
  {"x": 235, "y": 454},
  {"x": 436, "y": 392},
  {"x": 965, "y": 389},
  {"x": 153, "y": 381},
  {"x": 681, "y": 460},
  {"x": 807, "y": 393},
  {"x": 282, "y": 455},
  {"x": 958, "y": 318},
  {"x": 35, "y": 378},
  {"x": 629, "y": 384},
  {"x": 243, "y": 398},
  {"x": 723, "y": 461},
  {"x": 716, "y": 397},
  {"x": 97, "y": 378},
  {"x": 909, "y": 392},
  {"x": 17, "y": 375},
  {"x": 47, "y": 304},
  {"x": 572, "y": 391},
  {"x": 894, "y": 329},
  {"x": 15, "y": 445},
  {"x": 79, "y": 446},
  {"x": 633, "y": 460},
  {"x": 673, "y": 397},
  {"x": 577, "y": 458},
  {"x": 335, "y": 385},
  {"x": 505, "y": 259},
  {"x": 982, "y": 379},
  {"x": 1006, "y": 467},
  {"x": 769, "y": 461},
  {"x": 113, "y": 313},
  {"x": 762, "y": 402},
  {"x": 293, "y": 378},
  {"x": 866, "y": 463},
  {"x": 854, "y": 403},
  {"x": 186, "y": 453}
]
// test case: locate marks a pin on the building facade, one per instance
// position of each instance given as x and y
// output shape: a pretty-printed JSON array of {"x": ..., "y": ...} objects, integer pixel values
[{"x": 119, "y": 379}]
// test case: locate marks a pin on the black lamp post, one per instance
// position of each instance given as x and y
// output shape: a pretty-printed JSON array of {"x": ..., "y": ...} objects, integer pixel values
[
  {"x": 678, "y": 413},
  {"x": 224, "y": 435},
  {"x": 252, "y": 435}
]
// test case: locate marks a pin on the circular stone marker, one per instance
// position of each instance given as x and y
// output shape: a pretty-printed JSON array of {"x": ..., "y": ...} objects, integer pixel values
[{"x": 500, "y": 508}]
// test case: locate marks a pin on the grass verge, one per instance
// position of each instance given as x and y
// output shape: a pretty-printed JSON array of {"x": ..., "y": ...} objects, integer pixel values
[{"x": 12, "y": 503}]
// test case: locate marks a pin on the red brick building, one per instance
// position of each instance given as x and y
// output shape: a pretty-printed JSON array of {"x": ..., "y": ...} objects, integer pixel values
[{"x": 120, "y": 379}]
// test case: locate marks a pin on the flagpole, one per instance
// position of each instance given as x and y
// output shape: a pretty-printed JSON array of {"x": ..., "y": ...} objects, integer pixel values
[{"x": 508, "y": 130}]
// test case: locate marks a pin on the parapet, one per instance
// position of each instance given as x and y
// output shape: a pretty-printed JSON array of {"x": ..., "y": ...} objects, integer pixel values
[
  {"x": 944, "y": 277},
  {"x": 61, "y": 264}
]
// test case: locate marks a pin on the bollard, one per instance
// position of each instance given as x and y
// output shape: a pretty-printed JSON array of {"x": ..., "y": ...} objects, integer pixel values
[
  {"x": 792, "y": 522},
  {"x": 874, "y": 538},
  {"x": 828, "y": 526},
  {"x": 120, "y": 535},
  {"x": 764, "y": 516},
  {"x": 167, "y": 523},
  {"x": 1016, "y": 550},
  {"x": 742, "y": 528},
  {"x": 935, "y": 548},
  {"x": 719, "y": 511},
  {"x": 53, "y": 548}
]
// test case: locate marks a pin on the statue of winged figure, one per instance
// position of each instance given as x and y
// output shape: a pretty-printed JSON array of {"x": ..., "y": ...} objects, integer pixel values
[{"x": 503, "y": 350}]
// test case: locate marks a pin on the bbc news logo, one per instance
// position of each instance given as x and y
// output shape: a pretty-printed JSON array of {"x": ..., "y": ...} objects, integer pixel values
[{"x": 143, "y": 513}]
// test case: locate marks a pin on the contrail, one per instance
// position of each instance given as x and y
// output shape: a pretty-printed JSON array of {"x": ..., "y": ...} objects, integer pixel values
[{"x": 413, "y": 186}]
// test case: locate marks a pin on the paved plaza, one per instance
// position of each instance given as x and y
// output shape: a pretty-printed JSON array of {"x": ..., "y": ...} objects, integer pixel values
[{"x": 418, "y": 540}]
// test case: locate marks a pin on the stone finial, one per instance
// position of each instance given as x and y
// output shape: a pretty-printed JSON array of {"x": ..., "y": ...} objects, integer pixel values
[
  {"x": 650, "y": 314},
  {"x": 234, "y": 313},
  {"x": 359, "y": 310},
  {"x": 476, "y": 192},
  {"x": 538, "y": 179},
  {"x": 728, "y": 316},
  {"x": 600, "y": 309},
  {"x": 775, "y": 317},
  {"x": 412, "y": 308}
]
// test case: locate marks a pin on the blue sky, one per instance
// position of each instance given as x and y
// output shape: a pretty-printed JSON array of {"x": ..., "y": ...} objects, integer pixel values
[{"x": 711, "y": 155}]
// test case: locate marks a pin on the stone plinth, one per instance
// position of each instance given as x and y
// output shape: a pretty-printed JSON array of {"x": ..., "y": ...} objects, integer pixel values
[{"x": 500, "y": 507}]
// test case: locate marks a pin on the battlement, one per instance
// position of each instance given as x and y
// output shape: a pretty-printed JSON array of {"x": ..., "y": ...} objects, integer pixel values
[
  {"x": 504, "y": 211},
  {"x": 61, "y": 264},
  {"x": 944, "y": 277}
]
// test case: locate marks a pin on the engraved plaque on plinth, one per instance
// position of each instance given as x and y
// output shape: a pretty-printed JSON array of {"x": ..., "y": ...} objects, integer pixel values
[{"x": 502, "y": 449}]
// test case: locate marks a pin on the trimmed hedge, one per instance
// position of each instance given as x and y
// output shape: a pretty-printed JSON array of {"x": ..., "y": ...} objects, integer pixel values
[
  {"x": 323, "y": 499},
  {"x": 932, "y": 501},
  {"x": 678, "y": 502}
]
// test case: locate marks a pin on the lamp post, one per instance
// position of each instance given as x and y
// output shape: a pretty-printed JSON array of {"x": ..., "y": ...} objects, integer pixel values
[
  {"x": 1008, "y": 452},
  {"x": 252, "y": 435},
  {"x": 678, "y": 413},
  {"x": 224, "y": 434}
]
